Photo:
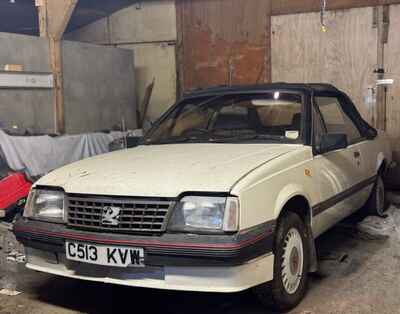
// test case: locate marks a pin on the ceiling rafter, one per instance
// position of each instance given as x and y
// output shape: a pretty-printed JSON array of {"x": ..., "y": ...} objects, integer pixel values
[{"x": 22, "y": 17}]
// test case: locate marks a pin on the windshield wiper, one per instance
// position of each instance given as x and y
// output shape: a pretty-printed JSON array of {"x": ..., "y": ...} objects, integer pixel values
[
  {"x": 177, "y": 140},
  {"x": 216, "y": 138},
  {"x": 246, "y": 137}
]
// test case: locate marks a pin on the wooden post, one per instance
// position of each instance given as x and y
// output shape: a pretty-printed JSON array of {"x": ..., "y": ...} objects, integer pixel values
[
  {"x": 59, "y": 13},
  {"x": 180, "y": 29},
  {"x": 42, "y": 12},
  {"x": 58, "y": 96},
  {"x": 268, "y": 52},
  {"x": 54, "y": 16},
  {"x": 381, "y": 93}
]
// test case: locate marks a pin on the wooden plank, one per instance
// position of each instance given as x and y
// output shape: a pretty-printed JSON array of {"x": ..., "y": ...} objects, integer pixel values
[
  {"x": 281, "y": 7},
  {"x": 345, "y": 55},
  {"x": 268, "y": 59},
  {"x": 146, "y": 102},
  {"x": 380, "y": 122},
  {"x": 180, "y": 47},
  {"x": 42, "y": 13},
  {"x": 392, "y": 69},
  {"x": 58, "y": 97},
  {"x": 59, "y": 13},
  {"x": 14, "y": 67},
  {"x": 54, "y": 16}
]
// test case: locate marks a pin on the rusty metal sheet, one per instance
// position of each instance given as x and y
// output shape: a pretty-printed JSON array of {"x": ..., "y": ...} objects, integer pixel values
[{"x": 223, "y": 42}]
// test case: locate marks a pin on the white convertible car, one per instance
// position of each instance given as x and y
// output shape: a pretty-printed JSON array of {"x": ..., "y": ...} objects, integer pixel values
[{"x": 227, "y": 192}]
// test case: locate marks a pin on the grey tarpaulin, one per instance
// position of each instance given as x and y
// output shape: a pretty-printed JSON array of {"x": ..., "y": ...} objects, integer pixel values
[{"x": 38, "y": 155}]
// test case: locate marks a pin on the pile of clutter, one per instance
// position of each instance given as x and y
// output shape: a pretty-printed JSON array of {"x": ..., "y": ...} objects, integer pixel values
[
  {"x": 378, "y": 227},
  {"x": 14, "y": 190},
  {"x": 11, "y": 255},
  {"x": 24, "y": 159},
  {"x": 11, "y": 250}
]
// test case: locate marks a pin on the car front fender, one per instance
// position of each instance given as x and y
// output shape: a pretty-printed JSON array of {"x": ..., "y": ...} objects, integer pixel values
[{"x": 287, "y": 193}]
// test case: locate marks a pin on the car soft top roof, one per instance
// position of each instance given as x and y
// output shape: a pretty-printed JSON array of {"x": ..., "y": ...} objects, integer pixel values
[
  {"x": 220, "y": 90},
  {"x": 320, "y": 89}
]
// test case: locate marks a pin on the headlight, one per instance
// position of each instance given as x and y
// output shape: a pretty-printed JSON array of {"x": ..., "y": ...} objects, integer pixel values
[
  {"x": 205, "y": 214},
  {"x": 44, "y": 204}
]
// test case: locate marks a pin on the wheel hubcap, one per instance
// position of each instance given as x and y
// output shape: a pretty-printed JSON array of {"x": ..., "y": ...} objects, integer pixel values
[{"x": 292, "y": 265}]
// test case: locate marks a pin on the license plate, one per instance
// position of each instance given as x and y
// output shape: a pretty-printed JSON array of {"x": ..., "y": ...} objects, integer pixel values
[{"x": 115, "y": 256}]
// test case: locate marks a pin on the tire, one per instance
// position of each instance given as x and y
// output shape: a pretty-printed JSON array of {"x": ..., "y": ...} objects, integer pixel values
[
  {"x": 291, "y": 265},
  {"x": 378, "y": 203}
]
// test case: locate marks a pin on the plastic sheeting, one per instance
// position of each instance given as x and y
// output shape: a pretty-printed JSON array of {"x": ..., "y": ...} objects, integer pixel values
[{"x": 38, "y": 155}]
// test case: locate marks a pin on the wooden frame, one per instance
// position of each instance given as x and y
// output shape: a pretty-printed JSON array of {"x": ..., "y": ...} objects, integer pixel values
[{"x": 54, "y": 16}]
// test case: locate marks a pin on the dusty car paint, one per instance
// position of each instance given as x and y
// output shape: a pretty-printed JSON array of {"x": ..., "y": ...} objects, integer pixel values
[{"x": 165, "y": 170}]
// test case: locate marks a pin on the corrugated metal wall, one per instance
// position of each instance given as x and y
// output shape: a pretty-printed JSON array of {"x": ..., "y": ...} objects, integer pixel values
[{"x": 223, "y": 42}]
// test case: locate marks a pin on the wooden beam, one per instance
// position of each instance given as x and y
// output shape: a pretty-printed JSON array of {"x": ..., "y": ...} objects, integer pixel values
[
  {"x": 42, "y": 12},
  {"x": 59, "y": 13},
  {"x": 268, "y": 53},
  {"x": 381, "y": 94},
  {"x": 58, "y": 92},
  {"x": 54, "y": 16},
  {"x": 280, "y": 7},
  {"x": 180, "y": 47}
]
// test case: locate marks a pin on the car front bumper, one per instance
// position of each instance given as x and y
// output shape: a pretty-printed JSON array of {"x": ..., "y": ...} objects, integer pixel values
[
  {"x": 181, "y": 278},
  {"x": 218, "y": 263}
]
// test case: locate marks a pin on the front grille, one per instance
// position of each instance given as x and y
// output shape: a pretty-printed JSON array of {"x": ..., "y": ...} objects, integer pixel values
[{"x": 134, "y": 215}]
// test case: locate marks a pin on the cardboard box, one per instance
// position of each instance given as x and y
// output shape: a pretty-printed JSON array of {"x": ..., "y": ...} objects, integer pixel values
[{"x": 14, "y": 67}]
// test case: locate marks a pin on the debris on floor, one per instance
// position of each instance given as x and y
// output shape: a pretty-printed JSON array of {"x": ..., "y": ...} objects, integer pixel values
[
  {"x": 337, "y": 263},
  {"x": 16, "y": 257},
  {"x": 374, "y": 227},
  {"x": 11, "y": 254},
  {"x": 11, "y": 250},
  {"x": 331, "y": 263},
  {"x": 10, "y": 293}
]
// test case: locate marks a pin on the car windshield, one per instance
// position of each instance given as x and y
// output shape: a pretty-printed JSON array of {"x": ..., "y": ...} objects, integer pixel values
[{"x": 274, "y": 117}]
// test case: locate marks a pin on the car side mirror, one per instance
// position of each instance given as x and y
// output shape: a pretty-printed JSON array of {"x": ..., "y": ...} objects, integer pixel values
[
  {"x": 331, "y": 142},
  {"x": 371, "y": 134}
]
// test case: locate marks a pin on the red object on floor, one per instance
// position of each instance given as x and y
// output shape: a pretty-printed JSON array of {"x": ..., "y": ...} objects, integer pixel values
[{"x": 12, "y": 189}]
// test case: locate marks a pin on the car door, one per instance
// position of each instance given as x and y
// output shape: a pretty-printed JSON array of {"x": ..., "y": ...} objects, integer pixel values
[
  {"x": 339, "y": 171},
  {"x": 370, "y": 153}
]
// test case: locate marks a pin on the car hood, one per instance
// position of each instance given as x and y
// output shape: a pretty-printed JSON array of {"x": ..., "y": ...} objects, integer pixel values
[{"x": 165, "y": 170}]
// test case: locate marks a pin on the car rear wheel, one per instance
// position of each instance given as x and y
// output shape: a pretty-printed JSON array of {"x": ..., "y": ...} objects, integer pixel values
[
  {"x": 378, "y": 202},
  {"x": 290, "y": 266}
]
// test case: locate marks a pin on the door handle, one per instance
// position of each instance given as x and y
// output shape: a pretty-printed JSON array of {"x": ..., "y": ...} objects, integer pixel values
[{"x": 357, "y": 155}]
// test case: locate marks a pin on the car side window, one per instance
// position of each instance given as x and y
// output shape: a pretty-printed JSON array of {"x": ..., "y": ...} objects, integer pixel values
[{"x": 336, "y": 120}]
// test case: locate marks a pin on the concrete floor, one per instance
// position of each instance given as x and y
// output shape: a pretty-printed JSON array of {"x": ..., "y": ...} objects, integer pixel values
[{"x": 358, "y": 275}]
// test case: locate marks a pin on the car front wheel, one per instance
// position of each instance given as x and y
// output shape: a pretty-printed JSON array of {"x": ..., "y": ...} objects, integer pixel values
[{"x": 290, "y": 266}]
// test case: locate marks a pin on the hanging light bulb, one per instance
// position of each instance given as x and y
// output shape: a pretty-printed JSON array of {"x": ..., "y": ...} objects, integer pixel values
[{"x": 323, "y": 10}]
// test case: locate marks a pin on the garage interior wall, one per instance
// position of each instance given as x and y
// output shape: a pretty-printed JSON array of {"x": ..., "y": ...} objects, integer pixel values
[
  {"x": 26, "y": 108},
  {"x": 153, "y": 45},
  {"x": 99, "y": 86},
  {"x": 346, "y": 56},
  {"x": 301, "y": 52},
  {"x": 220, "y": 42}
]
